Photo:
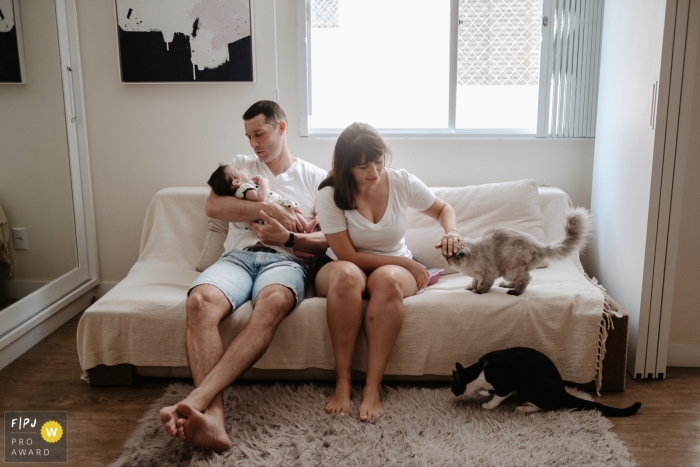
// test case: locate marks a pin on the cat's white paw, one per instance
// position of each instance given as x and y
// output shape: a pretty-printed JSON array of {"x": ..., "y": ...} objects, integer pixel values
[
  {"x": 484, "y": 393},
  {"x": 487, "y": 405}
]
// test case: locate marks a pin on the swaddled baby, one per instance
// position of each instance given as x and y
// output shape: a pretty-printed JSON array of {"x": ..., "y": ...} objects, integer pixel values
[{"x": 229, "y": 180}]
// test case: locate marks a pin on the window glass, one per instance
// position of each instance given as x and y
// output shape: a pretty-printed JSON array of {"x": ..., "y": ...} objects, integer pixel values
[
  {"x": 498, "y": 64},
  {"x": 383, "y": 62}
]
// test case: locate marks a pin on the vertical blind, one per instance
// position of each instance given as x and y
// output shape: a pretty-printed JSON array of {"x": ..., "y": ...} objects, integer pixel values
[{"x": 570, "y": 60}]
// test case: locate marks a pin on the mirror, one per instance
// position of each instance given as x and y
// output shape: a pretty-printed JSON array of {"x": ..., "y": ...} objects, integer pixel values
[{"x": 35, "y": 172}]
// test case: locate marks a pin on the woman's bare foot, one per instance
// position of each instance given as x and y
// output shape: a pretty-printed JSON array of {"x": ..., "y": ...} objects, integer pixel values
[
  {"x": 200, "y": 429},
  {"x": 340, "y": 402},
  {"x": 168, "y": 416},
  {"x": 371, "y": 406}
]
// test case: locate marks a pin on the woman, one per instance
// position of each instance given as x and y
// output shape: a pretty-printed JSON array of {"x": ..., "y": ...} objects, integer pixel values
[{"x": 361, "y": 206}]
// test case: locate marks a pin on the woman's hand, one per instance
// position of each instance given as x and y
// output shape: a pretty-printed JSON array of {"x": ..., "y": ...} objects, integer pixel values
[
  {"x": 420, "y": 272},
  {"x": 451, "y": 243}
]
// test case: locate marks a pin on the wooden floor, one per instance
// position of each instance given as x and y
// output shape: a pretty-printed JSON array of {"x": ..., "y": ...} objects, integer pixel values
[{"x": 665, "y": 432}]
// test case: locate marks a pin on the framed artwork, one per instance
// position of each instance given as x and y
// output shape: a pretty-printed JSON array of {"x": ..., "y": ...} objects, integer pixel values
[
  {"x": 185, "y": 41},
  {"x": 11, "y": 49}
]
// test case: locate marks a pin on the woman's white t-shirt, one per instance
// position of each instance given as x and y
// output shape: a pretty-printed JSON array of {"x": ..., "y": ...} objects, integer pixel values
[{"x": 386, "y": 237}]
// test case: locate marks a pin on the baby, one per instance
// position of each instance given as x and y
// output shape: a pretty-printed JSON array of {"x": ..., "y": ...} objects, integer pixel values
[{"x": 229, "y": 180}]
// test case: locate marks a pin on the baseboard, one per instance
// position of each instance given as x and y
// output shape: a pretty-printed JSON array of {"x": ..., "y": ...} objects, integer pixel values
[
  {"x": 29, "y": 339},
  {"x": 687, "y": 355}
]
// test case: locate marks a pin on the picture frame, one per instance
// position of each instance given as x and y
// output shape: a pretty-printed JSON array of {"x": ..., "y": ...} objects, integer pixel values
[
  {"x": 12, "y": 66},
  {"x": 185, "y": 41}
]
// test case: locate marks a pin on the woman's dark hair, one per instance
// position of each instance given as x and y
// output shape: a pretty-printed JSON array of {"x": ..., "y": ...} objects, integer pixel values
[
  {"x": 359, "y": 143},
  {"x": 219, "y": 184}
]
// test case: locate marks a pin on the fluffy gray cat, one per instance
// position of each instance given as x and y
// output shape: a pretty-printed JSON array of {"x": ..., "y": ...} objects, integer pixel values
[{"x": 511, "y": 254}]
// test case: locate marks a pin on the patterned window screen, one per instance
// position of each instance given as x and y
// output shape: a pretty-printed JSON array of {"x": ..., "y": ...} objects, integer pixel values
[
  {"x": 324, "y": 14},
  {"x": 499, "y": 42}
]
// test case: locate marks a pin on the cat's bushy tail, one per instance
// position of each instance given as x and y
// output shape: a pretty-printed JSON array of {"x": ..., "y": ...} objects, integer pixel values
[
  {"x": 574, "y": 402},
  {"x": 578, "y": 232}
]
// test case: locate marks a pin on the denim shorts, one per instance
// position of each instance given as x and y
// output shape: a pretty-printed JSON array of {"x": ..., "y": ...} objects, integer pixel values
[{"x": 242, "y": 274}]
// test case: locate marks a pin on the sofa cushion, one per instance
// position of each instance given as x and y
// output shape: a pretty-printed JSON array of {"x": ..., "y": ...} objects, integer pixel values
[
  {"x": 213, "y": 246},
  {"x": 142, "y": 321},
  {"x": 478, "y": 208}
]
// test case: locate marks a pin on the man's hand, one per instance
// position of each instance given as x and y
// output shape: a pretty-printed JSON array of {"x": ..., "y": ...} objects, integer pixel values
[
  {"x": 272, "y": 233},
  {"x": 285, "y": 216}
]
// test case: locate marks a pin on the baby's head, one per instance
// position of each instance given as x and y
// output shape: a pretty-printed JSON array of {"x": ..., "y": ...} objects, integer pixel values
[{"x": 227, "y": 178}]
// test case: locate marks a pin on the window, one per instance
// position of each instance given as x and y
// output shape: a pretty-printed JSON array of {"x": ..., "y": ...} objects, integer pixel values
[
  {"x": 498, "y": 64},
  {"x": 450, "y": 66},
  {"x": 384, "y": 62}
]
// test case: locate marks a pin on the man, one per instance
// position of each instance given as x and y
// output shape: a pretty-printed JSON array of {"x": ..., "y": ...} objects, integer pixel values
[{"x": 258, "y": 264}]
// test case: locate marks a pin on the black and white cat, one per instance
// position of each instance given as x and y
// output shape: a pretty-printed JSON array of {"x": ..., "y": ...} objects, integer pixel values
[{"x": 532, "y": 376}]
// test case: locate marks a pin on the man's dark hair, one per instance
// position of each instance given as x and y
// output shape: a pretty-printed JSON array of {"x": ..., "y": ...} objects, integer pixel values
[
  {"x": 219, "y": 184},
  {"x": 272, "y": 111}
]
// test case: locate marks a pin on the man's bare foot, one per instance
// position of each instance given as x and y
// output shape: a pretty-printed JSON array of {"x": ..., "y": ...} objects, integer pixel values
[
  {"x": 201, "y": 429},
  {"x": 340, "y": 402},
  {"x": 371, "y": 406},
  {"x": 168, "y": 416}
]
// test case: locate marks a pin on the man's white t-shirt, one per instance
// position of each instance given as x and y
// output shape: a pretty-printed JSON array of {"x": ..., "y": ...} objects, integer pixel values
[
  {"x": 300, "y": 182},
  {"x": 386, "y": 237}
]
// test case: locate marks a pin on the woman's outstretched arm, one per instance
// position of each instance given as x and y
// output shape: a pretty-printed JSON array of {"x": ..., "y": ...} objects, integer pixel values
[{"x": 442, "y": 212}]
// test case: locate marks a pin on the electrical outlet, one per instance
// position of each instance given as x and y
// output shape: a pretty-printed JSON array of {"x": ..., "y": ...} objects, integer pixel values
[{"x": 19, "y": 235}]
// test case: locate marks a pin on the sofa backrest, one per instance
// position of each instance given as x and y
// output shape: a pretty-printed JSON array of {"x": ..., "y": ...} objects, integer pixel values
[
  {"x": 177, "y": 230},
  {"x": 176, "y": 226},
  {"x": 478, "y": 209}
]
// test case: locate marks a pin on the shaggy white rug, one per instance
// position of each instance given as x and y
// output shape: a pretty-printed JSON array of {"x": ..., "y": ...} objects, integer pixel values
[{"x": 285, "y": 425}]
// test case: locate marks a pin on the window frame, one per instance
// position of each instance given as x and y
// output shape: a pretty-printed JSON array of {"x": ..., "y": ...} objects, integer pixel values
[{"x": 304, "y": 80}]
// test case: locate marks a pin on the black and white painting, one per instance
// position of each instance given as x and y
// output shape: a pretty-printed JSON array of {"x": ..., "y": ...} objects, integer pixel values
[
  {"x": 11, "y": 50},
  {"x": 185, "y": 40}
]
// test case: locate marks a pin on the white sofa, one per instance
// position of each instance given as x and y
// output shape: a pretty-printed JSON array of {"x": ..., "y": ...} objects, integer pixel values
[{"x": 138, "y": 327}]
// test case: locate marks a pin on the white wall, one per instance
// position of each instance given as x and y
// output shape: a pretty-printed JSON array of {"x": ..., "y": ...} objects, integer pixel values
[{"x": 147, "y": 137}]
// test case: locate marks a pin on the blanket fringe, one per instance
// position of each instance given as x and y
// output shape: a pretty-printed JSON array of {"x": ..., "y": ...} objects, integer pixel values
[
  {"x": 610, "y": 308},
  {"x": 85, "y": 377}
]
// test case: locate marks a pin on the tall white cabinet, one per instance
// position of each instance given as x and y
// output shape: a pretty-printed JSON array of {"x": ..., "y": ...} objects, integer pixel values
[{"x": 636, "y": 161}]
